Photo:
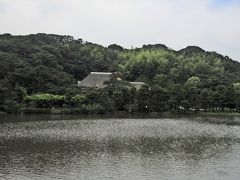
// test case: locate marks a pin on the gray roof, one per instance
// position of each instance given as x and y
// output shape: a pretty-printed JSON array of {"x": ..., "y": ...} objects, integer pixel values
[
  {"x": 95, "y": 79},
  {"x": 137, "y": 85}
]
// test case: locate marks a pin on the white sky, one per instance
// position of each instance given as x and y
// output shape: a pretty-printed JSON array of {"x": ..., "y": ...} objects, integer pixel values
[{"x": 213, "y": 25}]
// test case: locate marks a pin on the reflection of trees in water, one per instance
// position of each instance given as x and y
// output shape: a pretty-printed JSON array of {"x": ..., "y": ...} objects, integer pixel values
[{"x": 63, "y": 154}]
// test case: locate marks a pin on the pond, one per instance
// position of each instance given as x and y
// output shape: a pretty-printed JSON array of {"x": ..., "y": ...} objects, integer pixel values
[{"x": 75, "y": 147}]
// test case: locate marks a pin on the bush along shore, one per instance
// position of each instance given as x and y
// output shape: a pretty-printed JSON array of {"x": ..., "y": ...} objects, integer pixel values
[
  {"x": 39, "y": 73},
  {"x": 121, "y": 96}
]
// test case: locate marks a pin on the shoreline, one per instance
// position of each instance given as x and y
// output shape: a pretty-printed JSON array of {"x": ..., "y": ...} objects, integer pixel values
[{"x": 217, "y": 118}]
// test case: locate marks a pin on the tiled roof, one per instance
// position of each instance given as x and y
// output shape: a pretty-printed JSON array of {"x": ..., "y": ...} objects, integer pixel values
[{"x": 95, "y": 79}]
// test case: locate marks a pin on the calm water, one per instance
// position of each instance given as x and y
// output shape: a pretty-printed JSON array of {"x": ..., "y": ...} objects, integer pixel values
[{"x": 118, "y": 149}]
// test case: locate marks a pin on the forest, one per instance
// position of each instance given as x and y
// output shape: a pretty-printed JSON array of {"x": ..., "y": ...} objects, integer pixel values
[{"x": 39, "y": 74}]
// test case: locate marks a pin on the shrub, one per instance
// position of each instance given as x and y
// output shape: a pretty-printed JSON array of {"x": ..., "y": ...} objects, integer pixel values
[
  {"x": 78, "y": 100},
  {"x": 36, "y": 110},
  {"x": 46, "y": 100}
]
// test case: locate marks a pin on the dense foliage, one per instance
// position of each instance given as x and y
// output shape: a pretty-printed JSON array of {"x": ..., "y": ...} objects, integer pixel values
[{"x": 41, "y": 71}]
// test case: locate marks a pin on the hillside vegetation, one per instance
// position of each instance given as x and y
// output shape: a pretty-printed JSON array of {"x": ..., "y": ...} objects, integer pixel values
[{"x": 42, "y": 70}]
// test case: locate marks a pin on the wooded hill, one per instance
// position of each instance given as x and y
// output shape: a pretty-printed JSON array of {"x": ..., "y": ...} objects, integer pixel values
[{"x": 52, "y": 64}]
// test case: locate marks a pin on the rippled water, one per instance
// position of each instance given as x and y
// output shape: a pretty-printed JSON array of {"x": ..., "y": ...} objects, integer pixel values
[{"x": 121, "y": 149}]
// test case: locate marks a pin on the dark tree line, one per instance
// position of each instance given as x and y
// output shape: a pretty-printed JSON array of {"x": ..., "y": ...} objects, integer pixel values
[{"x": 41, "y": 71}]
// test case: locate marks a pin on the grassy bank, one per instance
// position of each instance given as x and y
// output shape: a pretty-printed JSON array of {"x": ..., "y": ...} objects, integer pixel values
[
  {"x": 220, "y": 113},
  {"x": 79, "y": 110},
  {"x": 228, "y": 118},
  {"x": 98, "y": 109}
]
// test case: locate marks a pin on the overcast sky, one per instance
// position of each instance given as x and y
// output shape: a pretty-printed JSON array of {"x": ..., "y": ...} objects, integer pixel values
[{"x": 213, "y": 25}]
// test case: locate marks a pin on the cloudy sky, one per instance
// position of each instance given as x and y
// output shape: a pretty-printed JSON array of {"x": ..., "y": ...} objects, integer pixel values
[{"x": 211, "y": 24}]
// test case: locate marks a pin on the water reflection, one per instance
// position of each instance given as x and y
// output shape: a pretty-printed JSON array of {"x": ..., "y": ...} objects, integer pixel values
[{"x": 117, "y": 149}]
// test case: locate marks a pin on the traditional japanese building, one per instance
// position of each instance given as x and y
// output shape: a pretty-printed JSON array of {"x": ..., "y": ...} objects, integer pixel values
[{"x": 97, "y": 79}]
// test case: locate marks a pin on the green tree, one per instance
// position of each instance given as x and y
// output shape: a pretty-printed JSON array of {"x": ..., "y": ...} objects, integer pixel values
[
  {"x": 236, "y": 87},
  {"x": 142, "y": 99},
  {"x": 206, "y": 98},
  {"x": 193, "y": 91}
]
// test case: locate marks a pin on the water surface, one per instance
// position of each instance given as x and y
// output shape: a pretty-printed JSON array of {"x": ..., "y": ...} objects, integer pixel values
[{"x": 117, "y": 148}]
